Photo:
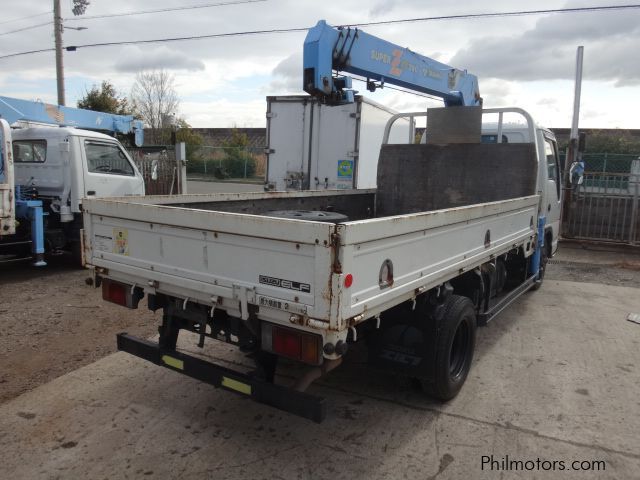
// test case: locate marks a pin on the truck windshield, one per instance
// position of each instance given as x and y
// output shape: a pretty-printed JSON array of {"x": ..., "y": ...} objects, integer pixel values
[{"x": 107, "y": 158}]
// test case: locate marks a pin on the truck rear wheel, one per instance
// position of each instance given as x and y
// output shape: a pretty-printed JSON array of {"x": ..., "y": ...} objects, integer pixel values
[{"x": 454, "y": 348}]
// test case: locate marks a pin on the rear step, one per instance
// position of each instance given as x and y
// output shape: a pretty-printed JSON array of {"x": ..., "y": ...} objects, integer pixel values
[{"x": 282, "y": 398}]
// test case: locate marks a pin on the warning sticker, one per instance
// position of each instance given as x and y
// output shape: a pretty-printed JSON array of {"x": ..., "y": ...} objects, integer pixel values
[
  {"x": 103, "y": 243},
  {"x": 121, "y": 241},
  {"x": 345, "y": 169}
]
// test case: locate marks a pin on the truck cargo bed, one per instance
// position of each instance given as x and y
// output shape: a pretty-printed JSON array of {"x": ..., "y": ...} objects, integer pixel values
[{"x": 179, "y": 245}]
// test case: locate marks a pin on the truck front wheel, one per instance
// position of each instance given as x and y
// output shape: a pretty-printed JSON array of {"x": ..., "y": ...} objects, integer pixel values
[
  {"x": 454, "y": 348},
  {"x": 544, "y": 258}
]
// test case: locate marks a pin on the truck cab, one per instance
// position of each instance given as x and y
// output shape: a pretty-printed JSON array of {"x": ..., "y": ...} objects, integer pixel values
[
  {"x": 63, "y": 165},
  {"x": 549, "y": 172}
]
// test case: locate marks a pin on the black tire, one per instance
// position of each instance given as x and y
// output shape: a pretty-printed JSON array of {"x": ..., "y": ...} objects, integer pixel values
[
  {"x": 455, "y": 344},
  {"x": 543, "y": 268}
]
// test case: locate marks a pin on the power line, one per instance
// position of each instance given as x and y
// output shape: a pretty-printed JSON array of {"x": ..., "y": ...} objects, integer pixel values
[
  {"x": 26, "y": 28},
  {"x": 27, "y": 17},
  {"x": 500, "y": 14},
  {"x": 163, "y": 10},
  {"x": 27, "y": 53},
  {"x": 194, "y": 37},
  {"x": 164, "y": 40},
  {"x": 304, "y": 29}
]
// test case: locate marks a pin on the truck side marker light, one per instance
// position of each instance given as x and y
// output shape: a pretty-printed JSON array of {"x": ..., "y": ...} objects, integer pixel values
[
  {"x": 173, "y": 362},
  {"x": 236, "y": 385},
  {"x": 348, "y": 280}
]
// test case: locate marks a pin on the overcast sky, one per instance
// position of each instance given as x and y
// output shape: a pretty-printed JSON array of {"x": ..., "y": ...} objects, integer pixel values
[{"x": 524, "y": 61}]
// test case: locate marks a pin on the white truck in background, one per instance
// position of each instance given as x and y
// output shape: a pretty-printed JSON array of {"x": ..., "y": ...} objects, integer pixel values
[
  {"x": 314, "y": 146},
  {"x": 56, "y": 165}
]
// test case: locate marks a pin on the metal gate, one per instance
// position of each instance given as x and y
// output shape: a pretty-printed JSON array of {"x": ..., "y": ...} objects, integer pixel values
[
  {"x": 159, "y": 168},
  {"x": 605, "y": 207}
]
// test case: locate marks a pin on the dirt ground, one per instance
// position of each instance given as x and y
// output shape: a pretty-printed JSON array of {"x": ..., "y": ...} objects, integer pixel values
[
  {"x": 596, "y": 264},
  {"x": 52, "y": 322}
]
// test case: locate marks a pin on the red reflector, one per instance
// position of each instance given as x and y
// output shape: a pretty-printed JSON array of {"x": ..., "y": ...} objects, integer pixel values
[
  {"x": 114, "y": 292},
  {"x": 287, "y": 343},
  {"x": 301, "y": 346},
  {"x": 348, "y": 280}
]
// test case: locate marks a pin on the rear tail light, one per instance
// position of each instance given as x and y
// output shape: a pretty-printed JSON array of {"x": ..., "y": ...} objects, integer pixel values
[
  {"x": 295, "y": 344},
  {"x": 121, "y": 293}
]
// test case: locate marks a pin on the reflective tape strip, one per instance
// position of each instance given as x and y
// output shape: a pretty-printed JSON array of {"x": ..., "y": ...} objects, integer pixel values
[
  {"x": 236, "y": 385},
  {"x": 173, "y": 362}
]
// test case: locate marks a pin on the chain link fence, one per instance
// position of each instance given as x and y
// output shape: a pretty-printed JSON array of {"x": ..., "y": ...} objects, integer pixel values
[{"x": 226, "y": 163}]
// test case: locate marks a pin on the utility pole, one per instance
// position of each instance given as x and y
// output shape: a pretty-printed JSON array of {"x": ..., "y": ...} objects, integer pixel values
[
  {"x": 576, "y": 103},
  {"x": 574, "y": 142},
  {"x": 57, "y": 31}
]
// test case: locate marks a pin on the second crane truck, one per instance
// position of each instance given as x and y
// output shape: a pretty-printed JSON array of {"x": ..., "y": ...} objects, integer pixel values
[{"x": 53, "y": 158}]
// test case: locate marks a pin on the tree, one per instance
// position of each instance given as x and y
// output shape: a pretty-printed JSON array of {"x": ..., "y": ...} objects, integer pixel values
[
  {"x": 192, "y": 140},
  {"x": 618, "y": 141},
  {"x": 154, "y": 98},
  {"x": 105, "y": 99},
  {"x": 239, "y": 163}
]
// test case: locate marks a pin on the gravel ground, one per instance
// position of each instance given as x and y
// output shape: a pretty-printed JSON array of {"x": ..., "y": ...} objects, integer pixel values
[
  {"x": 607, "y": 267},
  {"x": 53, "y": 323}
]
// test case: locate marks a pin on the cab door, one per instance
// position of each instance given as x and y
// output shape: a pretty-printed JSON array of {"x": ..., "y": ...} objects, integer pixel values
[
  {"x": 108, "y": 170},
  {"x": 552, "y": 189}
]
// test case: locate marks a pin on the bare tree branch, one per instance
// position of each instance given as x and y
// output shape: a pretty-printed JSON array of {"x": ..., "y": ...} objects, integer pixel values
[{"x": 154, "y": 97}]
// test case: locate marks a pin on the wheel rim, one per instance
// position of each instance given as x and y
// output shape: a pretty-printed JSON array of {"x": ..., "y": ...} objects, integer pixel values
[{"x": 459, "y": 350}]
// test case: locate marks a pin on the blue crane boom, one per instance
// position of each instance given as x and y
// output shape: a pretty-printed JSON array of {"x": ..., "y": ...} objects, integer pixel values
[
  {"x": 13, "y": 110},
  {"x": 329, "y": 50}
]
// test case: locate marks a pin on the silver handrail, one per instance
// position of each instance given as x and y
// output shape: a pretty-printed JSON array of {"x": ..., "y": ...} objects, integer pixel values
[{"x": 500, "y": 111}]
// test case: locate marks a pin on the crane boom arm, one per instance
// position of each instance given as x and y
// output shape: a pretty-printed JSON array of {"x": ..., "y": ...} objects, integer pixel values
[
  {"x": 328, "y": 50},
  {"x": 13, "y": 110}
]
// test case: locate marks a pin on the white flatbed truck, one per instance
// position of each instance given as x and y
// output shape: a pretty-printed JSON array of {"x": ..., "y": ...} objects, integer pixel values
[
  {"x": 457, "y": 229},
  {"x": 414, "y": 265}
]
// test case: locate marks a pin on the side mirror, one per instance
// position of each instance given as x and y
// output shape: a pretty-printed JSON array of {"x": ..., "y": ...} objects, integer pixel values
[{"x": 576, "y": 172}]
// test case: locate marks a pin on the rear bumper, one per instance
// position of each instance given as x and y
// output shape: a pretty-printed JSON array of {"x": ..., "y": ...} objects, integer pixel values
[{"x": 282, "y": 398}]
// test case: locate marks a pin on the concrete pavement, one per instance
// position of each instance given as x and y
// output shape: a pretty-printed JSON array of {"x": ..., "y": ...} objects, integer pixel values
[{"x": 555, "y": 378}]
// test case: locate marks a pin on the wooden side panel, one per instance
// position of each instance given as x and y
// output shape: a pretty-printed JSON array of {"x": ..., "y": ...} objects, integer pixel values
[{"x": 419, "y": 178}]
